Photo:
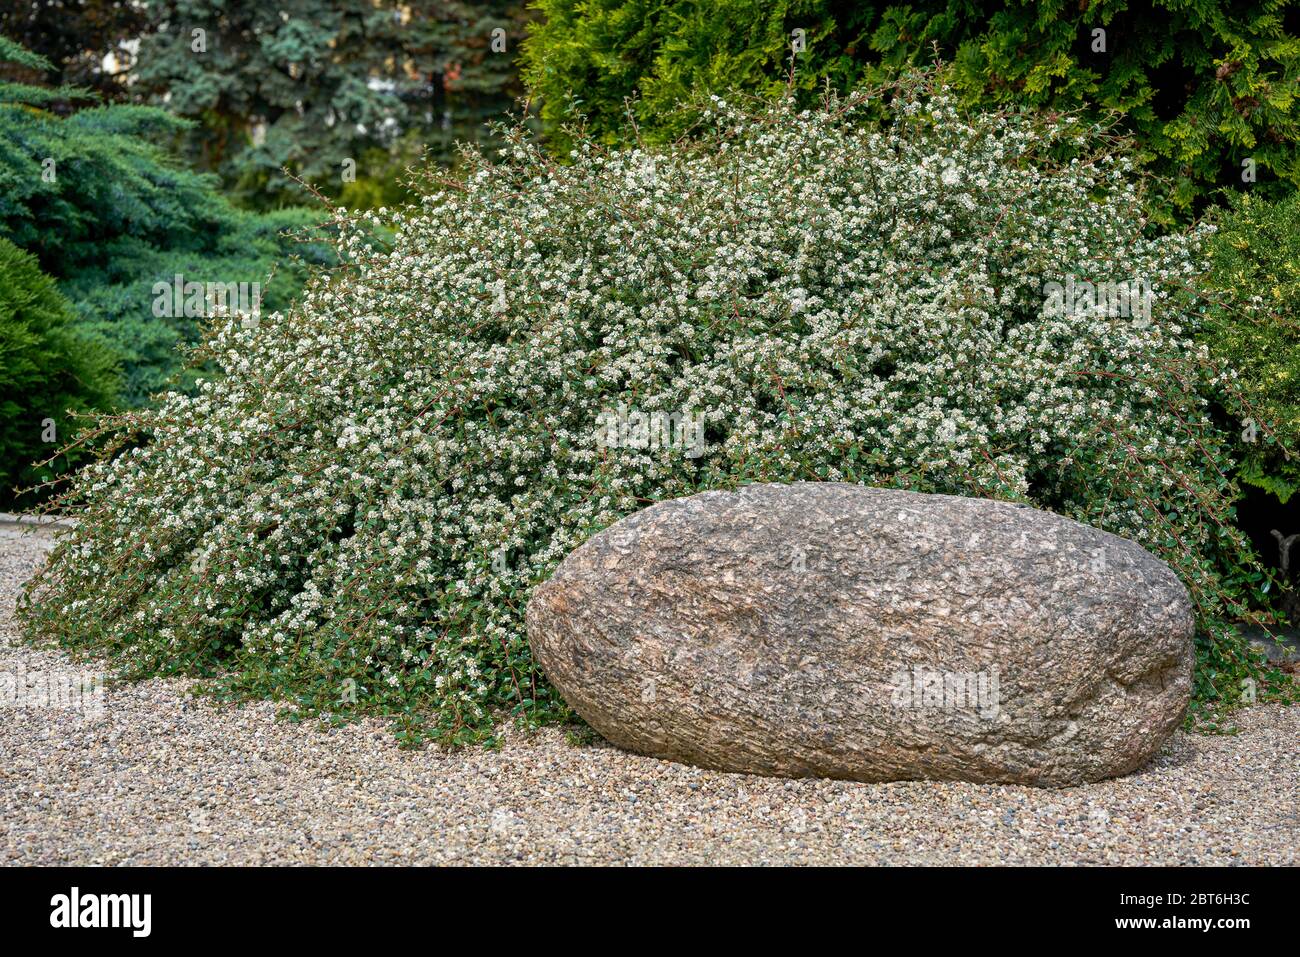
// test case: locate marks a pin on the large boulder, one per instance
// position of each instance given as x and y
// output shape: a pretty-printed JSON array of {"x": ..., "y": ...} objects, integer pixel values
[{"x": 871, "y": 634}]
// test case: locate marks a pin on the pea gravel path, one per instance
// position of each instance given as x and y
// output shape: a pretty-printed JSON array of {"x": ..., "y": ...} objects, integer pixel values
[{"x": 166, "y": 778}]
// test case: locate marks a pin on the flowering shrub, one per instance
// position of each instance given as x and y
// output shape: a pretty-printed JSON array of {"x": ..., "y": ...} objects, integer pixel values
[{"x": 353, "y": 516}]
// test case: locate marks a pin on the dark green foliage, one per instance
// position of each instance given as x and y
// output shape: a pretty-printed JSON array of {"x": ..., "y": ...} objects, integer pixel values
[
  {"x": 46, "y": 369},
  {"x": 288, "y": 85},
  {"x": 1202, "y": 85},
  {"x": 74, "y": 36},
  {"x": 108, "y": 214},
  {"x": 1255, "y": 330}
]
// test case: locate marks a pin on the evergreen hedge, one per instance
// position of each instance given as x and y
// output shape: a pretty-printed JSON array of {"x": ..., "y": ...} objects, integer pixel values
[
  {"x": 1203, "y": 85},
  {"x": 1253, "y": 329},
  {"x": 47, "y": 369}
]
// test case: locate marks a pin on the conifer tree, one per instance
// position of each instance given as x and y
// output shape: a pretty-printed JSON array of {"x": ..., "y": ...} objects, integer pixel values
[
  {"x": 339, "y": 91},
  {"x": 109, "y": 214},
  {"x": 1207, "y": 87}
]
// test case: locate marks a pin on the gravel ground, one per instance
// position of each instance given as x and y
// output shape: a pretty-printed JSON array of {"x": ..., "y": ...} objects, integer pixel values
[{"x": 165, "y": 778}]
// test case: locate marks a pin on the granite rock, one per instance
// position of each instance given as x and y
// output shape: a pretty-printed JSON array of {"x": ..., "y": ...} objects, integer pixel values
[{"x": 871, "y": 634}]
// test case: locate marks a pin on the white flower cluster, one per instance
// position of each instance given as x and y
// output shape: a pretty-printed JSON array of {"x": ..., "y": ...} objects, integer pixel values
[{"x": 371, "y": 489}]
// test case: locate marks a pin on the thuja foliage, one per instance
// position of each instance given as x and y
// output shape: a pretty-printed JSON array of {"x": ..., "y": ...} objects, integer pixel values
[
  {"x": 1202, "y": 85},
  {"x": 352, "y": 517},
  {"x": 1254, "y": 329},
  {"x": 47, "y": 371}
]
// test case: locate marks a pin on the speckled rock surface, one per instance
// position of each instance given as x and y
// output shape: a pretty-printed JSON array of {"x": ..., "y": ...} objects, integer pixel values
[{"x": 834, "y": 630}]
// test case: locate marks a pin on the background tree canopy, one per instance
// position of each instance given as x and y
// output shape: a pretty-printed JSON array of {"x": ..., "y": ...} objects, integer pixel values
[
  {"x": 73, "y": 37},
  {"x": 1203, "y": 85},
  {"x": 305, "y": 84}
]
